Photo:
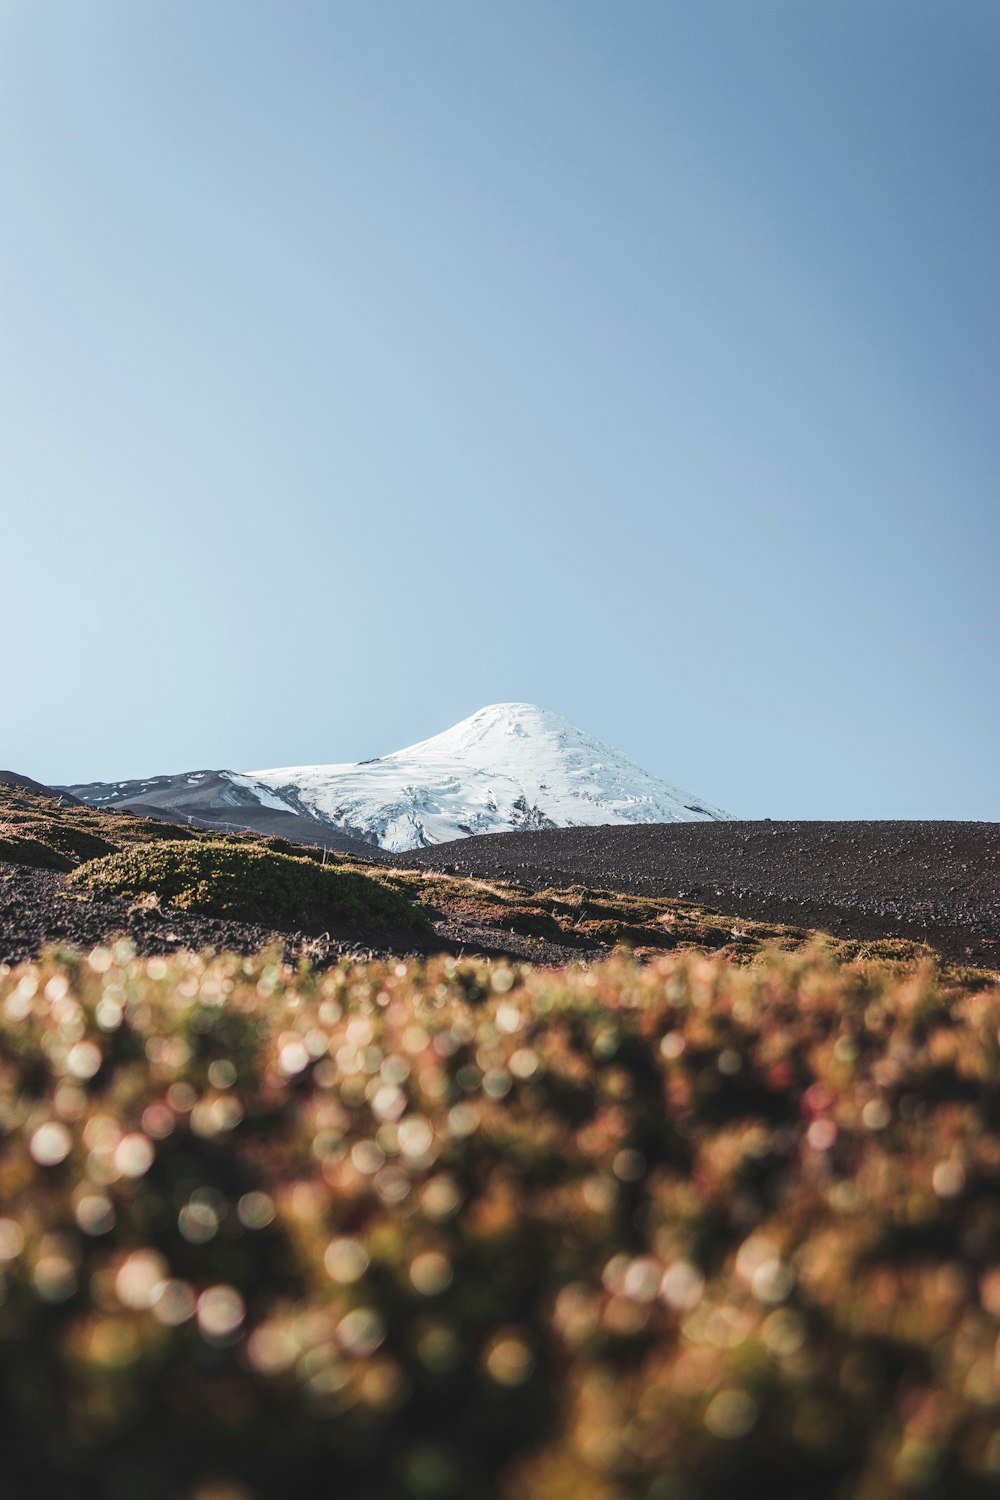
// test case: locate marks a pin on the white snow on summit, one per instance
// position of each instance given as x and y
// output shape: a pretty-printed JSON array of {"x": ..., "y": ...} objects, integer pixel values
[{"x": 509, "y": 766}]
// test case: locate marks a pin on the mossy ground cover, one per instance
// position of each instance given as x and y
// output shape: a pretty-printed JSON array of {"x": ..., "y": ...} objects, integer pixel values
[
  {"x": 681, "y": 1231},
  {"x": 247, "y": 882},
  {"x": 39, "y": 831}
]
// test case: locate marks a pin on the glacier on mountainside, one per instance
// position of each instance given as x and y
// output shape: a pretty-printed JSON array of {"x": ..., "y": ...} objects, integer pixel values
[{"x": 509, "y": 766}]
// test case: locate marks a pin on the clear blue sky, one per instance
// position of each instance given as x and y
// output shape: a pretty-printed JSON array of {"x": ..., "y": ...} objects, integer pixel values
[{"x": 363, "y": 362}]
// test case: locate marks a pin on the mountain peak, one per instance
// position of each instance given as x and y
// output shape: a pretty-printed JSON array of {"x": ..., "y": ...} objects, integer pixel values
[
  {"x": 528, "y": 715},
  {"x": 495, "y": 724},
  {"x": 503, "y": 710},
  {"x": 507, "y": 766}
]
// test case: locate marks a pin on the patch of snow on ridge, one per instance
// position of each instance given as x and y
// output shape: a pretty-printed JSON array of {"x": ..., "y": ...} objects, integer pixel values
[
  {"x": 509, "y": 766},
  {"x": 264, "y": 795}
]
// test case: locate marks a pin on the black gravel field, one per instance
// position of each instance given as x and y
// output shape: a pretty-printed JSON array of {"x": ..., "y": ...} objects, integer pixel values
[{"x": 933, "y": 882}]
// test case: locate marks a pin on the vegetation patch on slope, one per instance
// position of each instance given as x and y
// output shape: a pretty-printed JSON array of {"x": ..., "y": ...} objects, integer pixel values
[
  {"x": 244, "y": 881},
  {"x": 594, "y": 920},
  {"x": 464, "y": 1229},
  {"x": 40, "y": 831},
  {"x": 19, "y": 848}
]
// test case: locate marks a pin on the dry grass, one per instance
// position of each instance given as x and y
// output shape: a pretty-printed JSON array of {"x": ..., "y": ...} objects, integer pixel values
[{"x": 598, "y": 919}]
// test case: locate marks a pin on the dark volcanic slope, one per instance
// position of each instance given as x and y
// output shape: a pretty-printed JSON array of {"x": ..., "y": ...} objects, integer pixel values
[
  {"x": 37, "y": 908},
  {"x": 934, "y": 882},
  {"x": 210, "y": 800},
  {"x": 266, "y": 820},
  {"x": 27, "y": 784}
]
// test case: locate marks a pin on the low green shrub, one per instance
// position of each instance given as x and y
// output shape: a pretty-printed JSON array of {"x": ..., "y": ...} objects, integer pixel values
[{"x": 248, "y": 883}]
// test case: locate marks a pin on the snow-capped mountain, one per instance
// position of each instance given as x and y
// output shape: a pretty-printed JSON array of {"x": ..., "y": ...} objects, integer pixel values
[{"x": 509, "y": 766}]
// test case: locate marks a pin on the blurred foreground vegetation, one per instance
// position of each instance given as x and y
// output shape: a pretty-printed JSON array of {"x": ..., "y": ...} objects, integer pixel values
[{"x": 447, "y": 1229}]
